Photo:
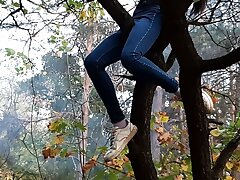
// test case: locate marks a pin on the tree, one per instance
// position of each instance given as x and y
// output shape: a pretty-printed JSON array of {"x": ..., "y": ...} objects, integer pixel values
[{"x": 176, "y": 33}]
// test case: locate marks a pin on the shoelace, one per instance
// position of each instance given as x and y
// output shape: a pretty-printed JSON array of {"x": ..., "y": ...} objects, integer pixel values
[{"x": 112, "y": 138}]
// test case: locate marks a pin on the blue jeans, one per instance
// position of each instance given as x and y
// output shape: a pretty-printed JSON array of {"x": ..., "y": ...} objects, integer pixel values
[{"x": 131, "y": 52}]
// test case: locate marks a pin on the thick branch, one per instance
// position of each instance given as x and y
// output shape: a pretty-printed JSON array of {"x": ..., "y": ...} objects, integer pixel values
[
  {"x": 221, "y": 62},
  {"x": 224, "y": 156},
  {"x": 170, "y": 60},
  {"x": 119, "y": 14}
]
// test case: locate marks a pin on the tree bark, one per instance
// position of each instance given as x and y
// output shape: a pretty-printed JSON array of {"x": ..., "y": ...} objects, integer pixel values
[
  {"x": 175, "y": 31},
  {"x": 190, "y": 83},
  {"x": 224, "y": 156}
]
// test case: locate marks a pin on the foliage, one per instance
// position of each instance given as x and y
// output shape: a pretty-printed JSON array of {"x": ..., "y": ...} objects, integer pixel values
[{"x": 58, "y": 85}]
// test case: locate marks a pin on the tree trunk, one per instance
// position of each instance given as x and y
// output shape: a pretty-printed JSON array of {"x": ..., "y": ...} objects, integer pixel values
[
  {"x": 140, "y": 148},
  {"x": 85, "y": 99},
  {"x": 191, "y": 67}
]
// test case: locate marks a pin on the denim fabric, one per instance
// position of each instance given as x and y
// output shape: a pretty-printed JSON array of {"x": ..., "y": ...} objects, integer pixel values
[
  {"x": 142, "y": 3},
  {"x": 131, "y": 52}
]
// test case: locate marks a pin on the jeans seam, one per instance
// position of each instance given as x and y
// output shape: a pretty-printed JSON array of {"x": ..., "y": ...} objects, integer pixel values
[
  {"x": 141, "y": 41},
  {"x": 153, "y": 69},
  {"x": 145, "y": 33},
  {"x": 97, "y": 60}
]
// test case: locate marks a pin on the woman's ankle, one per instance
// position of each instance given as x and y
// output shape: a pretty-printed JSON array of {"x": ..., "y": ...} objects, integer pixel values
[{"x": 121, "y": 124}]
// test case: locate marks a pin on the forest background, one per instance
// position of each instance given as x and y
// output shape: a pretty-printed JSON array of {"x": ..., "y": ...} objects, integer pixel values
[{"x": 53, "y": 125}]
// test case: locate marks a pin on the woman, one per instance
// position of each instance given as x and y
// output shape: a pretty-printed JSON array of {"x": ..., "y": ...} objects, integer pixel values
[{"x": 148, "y": 21}]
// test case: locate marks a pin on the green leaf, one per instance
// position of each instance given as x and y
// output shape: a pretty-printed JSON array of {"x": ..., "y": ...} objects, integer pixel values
[
  {"x": 63, "y": 152},
  {"x": 64, "y": 44},
  {"x": 238, "y": 123},
  {"x": 112, "y": 176},
  {"x": 2, "y": 2},
  {"x": 102, "y": 13},
  {"x": 152, "y": 122},
  {"x": 19, "y": 70},
  {"x": 100, "y": 175},
  {"x": 102, "y": 148},
  {"x": 21, "y": 55},
  {"x": 25, "y": 11},
  {"x": 15, "y": 4},
  {"x": 171, "y": 177},
  {"x": 80, "y": 126},
  {"x": 238, "y": 120},
  {"x": 52, "y": 39},
  {"x": 215, "y": 132},
  {"x": 9, "y": 51},
  {"x": 177, "y": 104}
]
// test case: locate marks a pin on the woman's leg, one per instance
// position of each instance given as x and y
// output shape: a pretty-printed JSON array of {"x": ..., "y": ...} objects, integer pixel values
[
  {"x": 141, "y": 38},
  {"x": 106, "y": 53}
]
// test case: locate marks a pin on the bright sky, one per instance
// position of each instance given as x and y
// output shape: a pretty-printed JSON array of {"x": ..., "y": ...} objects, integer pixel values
[{"x": 12, "y": 39}]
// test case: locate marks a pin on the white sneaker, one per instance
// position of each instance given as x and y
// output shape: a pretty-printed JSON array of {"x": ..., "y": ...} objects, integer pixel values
[
  {"x": 207, "y": 101},
  {"x": 119, "y": 139}
]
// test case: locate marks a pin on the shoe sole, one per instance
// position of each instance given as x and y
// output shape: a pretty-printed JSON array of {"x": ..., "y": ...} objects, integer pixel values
[
  {"x": 208, "y": 103},
  {"x": 125, "y": 142}
]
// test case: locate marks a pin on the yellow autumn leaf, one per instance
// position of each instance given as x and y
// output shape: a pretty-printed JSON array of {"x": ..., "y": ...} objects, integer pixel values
[
  {"x": 177, "y": 104},
  {"x": 178, "y": 177},
  {"x": 237, "y": 166},
  {"x": 58, "y": 139},
  {"x": 130, "y": 174},
  {"x": 229, "y": 165},
  {"x": 215, "y": 132},
  {"x": 215, "y": 156},
  {"x": 83, "y": 14},
  {"x": 164, "y": 118},
  {"x": 54, "y": 152},
  {"x": 184, "y": 167},
  {"x": 228, "y": 178},
  {"x": 52, "y": 126},
  {"x": 118, "y": 162}
]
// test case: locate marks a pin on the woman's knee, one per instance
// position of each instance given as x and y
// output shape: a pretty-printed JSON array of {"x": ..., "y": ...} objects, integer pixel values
[
  {"x": 90, "y": 63},
  {"x": 128, "y": 59}
]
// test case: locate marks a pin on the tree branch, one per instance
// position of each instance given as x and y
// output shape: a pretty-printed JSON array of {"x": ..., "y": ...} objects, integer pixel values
[
  {"x": 170, "y": 60},
  {"x": 119, "y": 14},
  {"x": 221, "y": 62},
  {"x": 224, "y": 156},
  {"x": 20, "y": 8}
]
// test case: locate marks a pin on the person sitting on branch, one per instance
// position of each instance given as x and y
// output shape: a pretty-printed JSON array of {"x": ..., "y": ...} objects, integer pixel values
[{"x": 147, "y": 27}]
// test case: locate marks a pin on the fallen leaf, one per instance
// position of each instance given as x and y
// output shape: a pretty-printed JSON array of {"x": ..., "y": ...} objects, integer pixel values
[
  {"x": 58, "y": 139},
  {"x": 165, "y": 138},
  {"x": 90, "y": 164},
  {"x": 54, "y": 152},
  {"x": 49, "y": 152},
  {"x": 159, "y": 130},
  {"x": 46, "y": 153}
]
